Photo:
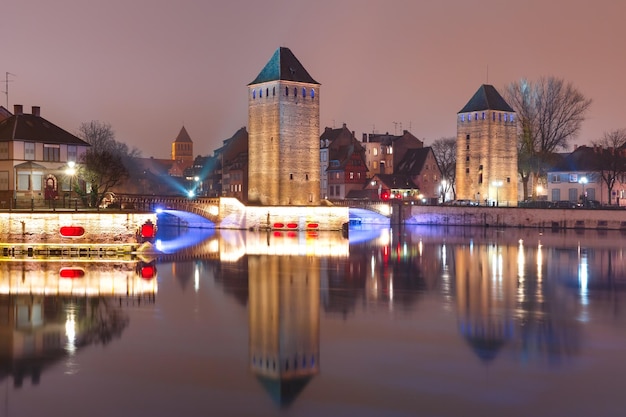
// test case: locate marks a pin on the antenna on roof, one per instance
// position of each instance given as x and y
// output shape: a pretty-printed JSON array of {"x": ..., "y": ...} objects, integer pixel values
[
  {"x": 6, "y": 88},
  {"x": 487, "y": 74},
  {"x": 395, "y": 128}
]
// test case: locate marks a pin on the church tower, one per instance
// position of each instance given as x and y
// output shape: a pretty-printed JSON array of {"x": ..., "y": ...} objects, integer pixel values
[
  {"x": 486, "y": 150},
  {"x": 182, "y": 147},
  {"x": 283, "y": 129}
]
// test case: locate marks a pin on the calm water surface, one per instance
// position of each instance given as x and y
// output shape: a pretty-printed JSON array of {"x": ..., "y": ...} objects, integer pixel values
[{"x": 409, "y": 322}]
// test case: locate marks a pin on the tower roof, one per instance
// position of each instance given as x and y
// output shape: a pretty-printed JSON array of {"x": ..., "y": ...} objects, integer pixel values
[
  {"x": 283, "y": 65},
  {"x": 183, "y": 136},
  {"x": 486, "y": 98}
]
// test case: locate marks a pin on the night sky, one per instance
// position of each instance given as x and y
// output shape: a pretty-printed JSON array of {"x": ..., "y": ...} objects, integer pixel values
[{"x": 148, "y": 67}]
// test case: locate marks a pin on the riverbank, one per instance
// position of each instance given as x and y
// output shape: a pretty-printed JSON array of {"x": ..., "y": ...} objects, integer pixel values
[{"x": 601, "y": 219}]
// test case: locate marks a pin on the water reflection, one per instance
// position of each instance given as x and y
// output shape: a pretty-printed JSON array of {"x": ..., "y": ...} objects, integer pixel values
[{"x": 50, "y": 310}]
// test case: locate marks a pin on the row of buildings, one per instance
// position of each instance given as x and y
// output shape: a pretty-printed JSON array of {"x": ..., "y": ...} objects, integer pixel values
[{"x": 281, "y": 158}]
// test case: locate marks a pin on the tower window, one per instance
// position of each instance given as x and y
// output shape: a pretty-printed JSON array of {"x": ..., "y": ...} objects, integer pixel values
[
  {"x": 273, "y": 91},
  {"x": 260, "y": 92},
  {"x": 267, "y": 92},
  {"x": 306, "y": 177},
  {"x": 467, "y": 158},
  {"x": 290, "y": 176},
  {"x": 499, "y": 117},
  {"x": 295, "y": 91},
  {"x": 505, "y": 117},
  {"x": 253, "y": 94},
  {"x": 511, "y": 117},
  {"x": 483, "y": 115},
  {"x": 286, "y": 91},
  {"x": 467, "y": 137},
  {"x": 303, "y": 92},
  {"x": 462, "y": 117},
  {"x": 475, "y": 116},
  {"x": 312, "y": 93},
  {"x": 467, "y": 170},
  {"x": 493, "y": 116}
]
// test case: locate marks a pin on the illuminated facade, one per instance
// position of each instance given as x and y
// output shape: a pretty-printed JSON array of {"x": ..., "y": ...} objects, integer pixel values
[
  {"x": 486, "y": 167},
  {"x": 283, "y": 123},
  {"x": 35, "y": 159}
]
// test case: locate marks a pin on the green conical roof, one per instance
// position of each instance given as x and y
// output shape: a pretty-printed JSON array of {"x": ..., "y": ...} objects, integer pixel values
[
  {"x": 284, "y": 66},
  {"x": 486, "y": 98}
]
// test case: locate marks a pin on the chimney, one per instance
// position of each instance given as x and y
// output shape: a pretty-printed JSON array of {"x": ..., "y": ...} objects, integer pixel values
[
  {"x": 36, "y": 111},
  {"x": 364, "y": 137},
  {"x": 18, "y": 109}
]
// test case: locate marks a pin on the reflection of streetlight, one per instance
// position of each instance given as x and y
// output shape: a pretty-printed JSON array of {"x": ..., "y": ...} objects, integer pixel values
[
  {"x": 583, "y": 181},
  {"x": 70, "y": 172},
  {"x": 497, "y": 184}
]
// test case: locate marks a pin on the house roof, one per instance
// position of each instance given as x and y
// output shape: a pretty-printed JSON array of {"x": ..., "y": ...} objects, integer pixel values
[
  {"x": 413, "y": 161},
  {"x": 580, "y": 159},
  {"x": 283, "y": 65},
  {"x": 396, "y": 181},
  {"x": 29, "y": 127},
  {"x": 342, "y": 146},
  {"x": 486, "y": 98},
  {"x": 183, "y": 136}
]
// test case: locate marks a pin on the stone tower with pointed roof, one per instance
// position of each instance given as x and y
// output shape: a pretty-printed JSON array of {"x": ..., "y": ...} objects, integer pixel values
[
  {"x": 486, "y": 155},
  {"x": 182, "y": 147},
  {"x": 283, "y": 129}
]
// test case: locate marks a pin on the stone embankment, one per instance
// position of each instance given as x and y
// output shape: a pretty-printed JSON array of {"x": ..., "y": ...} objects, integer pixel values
[{"x": 609, "y": 219}]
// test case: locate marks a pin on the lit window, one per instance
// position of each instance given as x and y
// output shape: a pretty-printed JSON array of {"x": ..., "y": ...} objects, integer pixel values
[
  {"x": 462, "y": 117},
  {"x": 312, "y": 93},
  {"x": 512, "y": 117},
  {"x": 351, "y": 175},
  {"x": 493, "y": 116},
  {"x": 29, "y": 151},
  {"x": 303, "y": 92},
  {"x": 260, "y": 92},
  {"x": 505, "y": 117},
  {"x": 375, "y": 151}
]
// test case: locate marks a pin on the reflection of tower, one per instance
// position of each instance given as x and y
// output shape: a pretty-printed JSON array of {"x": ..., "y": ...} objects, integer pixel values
[
  {"x": 284, "y": 323},
  {"x": 485, "y": 293},
  {"x": 283, "y": 138}
]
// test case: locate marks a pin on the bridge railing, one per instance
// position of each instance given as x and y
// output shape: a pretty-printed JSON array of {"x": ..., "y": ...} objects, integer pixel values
[{"x": 376, "y": 206}]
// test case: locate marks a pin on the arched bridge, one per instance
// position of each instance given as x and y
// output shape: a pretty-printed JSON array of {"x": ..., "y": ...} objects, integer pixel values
[{"x": 228, "y": 212}]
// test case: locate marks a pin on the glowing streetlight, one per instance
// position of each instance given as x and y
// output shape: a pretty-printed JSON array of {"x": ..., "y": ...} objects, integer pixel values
[
  {"x": 583, "y": 181},
  {"x": 497, "y": 184}
]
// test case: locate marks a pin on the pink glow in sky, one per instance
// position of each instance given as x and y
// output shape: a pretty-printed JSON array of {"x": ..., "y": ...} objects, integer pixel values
[{"x": 148, "y": 67}]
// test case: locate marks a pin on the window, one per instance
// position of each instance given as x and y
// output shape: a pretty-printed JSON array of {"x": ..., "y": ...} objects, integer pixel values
[
  {"x": 505, "y": 117},
  {"x": 466, "y": 137},
  {"x": 332, "y": 191},
  {"x": 375, "y": 164},
  {"x": 351, "y": 175},
  {"x": 375, "y": 151},
  {"x": 295, "y": 91},
  {"x": 29, "y": 151},
  {"x": 303, "y": 92},
  {"x": 286, "y": 91},
  {"x": 462, "y": 117},
  {"x": 267, "y": 92},
  {"x": 306, "y": 177},
  {"x": 573, "y": 178},
  {"x": 556, "y": 178},
  {"x": 273, "y": 91},
  {"x": 260, "y": 93},
  {"x": 483, "y": 116},
  {"x": 508, "y": 180},
  {"x": 390, "y": 150},
  {"x": 4, "y": 180},
  {"x": 290, "y": 176},
  {"x": 467, "y": 170},
  {"x": 499, "y": 117},
  {"x": 493, "y": 116},
  {"x": 23, "y": 181},
  {"x": 337, "y": 191},
  {"x": 467, "y": 159},
  {"x": 512, "y": 117},
  {"x": 51, "y": 153},
  {"x": 312, "y": 93},
  {"x": 4, "y": 150}
]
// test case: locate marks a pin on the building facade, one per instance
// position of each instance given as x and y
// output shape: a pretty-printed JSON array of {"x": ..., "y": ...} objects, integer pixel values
[
  {"x": 283, "y": 131},
  {"x": 182, "y": 147},
  {"x": 486, "y": 169},
  {"x": 383, "y": 152},
  {"x": 38, "y": 161}
]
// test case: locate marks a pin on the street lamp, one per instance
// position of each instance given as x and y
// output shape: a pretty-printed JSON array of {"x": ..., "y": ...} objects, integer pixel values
[
  {"x": 70, "y": 172},
  {"x": 497, "y": 184},
  {"x": 583, "y": 181}
]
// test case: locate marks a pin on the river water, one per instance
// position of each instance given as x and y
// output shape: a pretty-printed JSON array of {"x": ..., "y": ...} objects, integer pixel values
[{"x": 420, "y": 321}]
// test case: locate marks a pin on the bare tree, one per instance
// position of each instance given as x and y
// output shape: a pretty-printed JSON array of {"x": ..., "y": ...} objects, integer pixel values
[
  {"x": 105, "y": 162},
  {"x": 550, "y": 112},
  {"x": 610, "y": 158},
  {"x": 445, "y": 153}
]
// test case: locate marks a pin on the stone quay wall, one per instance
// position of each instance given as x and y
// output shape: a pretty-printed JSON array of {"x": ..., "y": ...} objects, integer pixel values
[
  {"x": 45, "y": 227},
  {"x": 515, "y": 217}
]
